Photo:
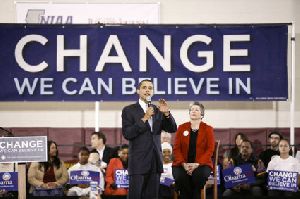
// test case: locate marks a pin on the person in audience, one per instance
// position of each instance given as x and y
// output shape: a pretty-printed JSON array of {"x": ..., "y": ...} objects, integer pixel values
[
  {"x": 283, "y": 162},
  {"x": 98, "y": 142},
  {"x": 265, "y": 156},
  {"x": 47, "y": 178},
  {"x": 7, "y": 167},
  {"x": 94, "y": 158},
  {"x": 245, "y": 156},
  {"x": 120, "y": 163},
  {"x": 82, "y": 165},
  {"x": 235, "y": 151},
  {"x": 165, "y": 137},
  {"x": 166, "y": 191},
  {"x": 193, "y": 149}
]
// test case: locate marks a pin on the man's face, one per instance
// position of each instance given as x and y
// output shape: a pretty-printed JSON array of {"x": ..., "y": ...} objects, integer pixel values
[
  {"x": 83, "y": 157},
  {"x": 96, "y": 142},
  {"x": 145, "y": 90},
  {"x": 246, "y": 149},
  {"x": 274, "y": 140}
]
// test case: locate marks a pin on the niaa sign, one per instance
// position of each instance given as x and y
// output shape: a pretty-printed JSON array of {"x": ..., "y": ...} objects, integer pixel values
[{"x": 185, "y": 62}]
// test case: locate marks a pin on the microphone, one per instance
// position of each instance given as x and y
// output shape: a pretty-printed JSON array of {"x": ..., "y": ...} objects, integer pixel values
[{"x": 148, "y": 99}]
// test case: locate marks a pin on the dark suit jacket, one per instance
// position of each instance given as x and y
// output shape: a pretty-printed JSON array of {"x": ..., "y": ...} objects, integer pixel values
[
  {"x": 205, "y": 144},
  {"x": 144, "y": 144},
  {"x": 107, "y": 154}
]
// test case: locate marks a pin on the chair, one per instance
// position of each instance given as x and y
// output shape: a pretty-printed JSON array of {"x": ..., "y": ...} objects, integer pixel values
[{"x": 214, "y": 181}]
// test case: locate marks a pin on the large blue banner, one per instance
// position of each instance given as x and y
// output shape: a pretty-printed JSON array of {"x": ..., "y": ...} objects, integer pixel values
[{"x": 186, "y": 62}]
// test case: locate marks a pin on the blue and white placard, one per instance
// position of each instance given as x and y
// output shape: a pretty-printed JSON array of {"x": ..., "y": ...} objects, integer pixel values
[
  {"x": 9, "y": 181},
  {"x": 23, "y": 149},
  {"x": 83, "y": 177},
  {"x": 185, "y": 62},
  {"x": 242, "y": 174},
  {"x": 283, "y": 180},
  {"x": 121, "y": 178}
]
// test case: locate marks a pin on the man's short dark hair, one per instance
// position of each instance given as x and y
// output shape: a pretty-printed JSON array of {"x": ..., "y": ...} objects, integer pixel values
[
  {"x": 94, "y": 151},
  {"x": 145, "y": 80},
  {"x": 275, "y": 133},
  {"x": 100, "y": 136}
]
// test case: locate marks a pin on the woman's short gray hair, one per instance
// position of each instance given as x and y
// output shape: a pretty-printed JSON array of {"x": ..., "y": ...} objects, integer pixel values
[{"x": 196, "y": 103}]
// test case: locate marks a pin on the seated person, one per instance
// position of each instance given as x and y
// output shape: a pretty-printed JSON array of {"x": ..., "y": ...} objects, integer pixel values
[
  {"x": 284, "y": 162},
  {"x": 47, "y": 178},
  {"x": 193, "y": 150},
  {"x": 245, "y": 157},
  {"x": 165, "y": 137},
  {"x": 120, "y": 163},
  {"x": 94, "y": 159},
  {"x": 235, "y": 151},
  {"x": 265, "y": 156},
  {"x": 166, "y": 191},
  {"x": 83, "y": 189},
  {"x": 8, "y": 167}
]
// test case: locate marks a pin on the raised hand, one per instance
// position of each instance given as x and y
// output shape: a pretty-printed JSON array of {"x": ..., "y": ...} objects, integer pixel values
[{"x": 163, "y": 107}]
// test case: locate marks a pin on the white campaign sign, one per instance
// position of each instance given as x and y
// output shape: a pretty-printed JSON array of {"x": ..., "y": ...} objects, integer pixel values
[
  {"x": 46, "y": 13},
  {"x": 23, "y": 149}
]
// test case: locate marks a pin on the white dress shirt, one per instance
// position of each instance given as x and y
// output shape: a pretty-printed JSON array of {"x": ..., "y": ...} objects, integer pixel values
[{"x": 144, "y": 107}]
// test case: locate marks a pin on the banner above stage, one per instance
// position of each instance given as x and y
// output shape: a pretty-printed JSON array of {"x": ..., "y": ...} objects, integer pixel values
[{"x": 185, "y": 62}]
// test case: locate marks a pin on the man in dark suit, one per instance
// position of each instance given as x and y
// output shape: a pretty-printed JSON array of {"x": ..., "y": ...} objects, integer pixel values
[
  {"x": 98, "y": 141},
  {"x": 142, "y": 124}
]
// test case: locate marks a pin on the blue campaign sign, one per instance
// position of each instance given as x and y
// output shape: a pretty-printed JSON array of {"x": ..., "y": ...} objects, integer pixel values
[
  {"x": 211, "y": 176},
  {"x": 83, "y": 177},
  {"x": 185, "y": 62},
  {"x": 167, "y": 181},
  {"x": 121, "y": 178},
  {"x": 242, "y": 174},
  {"x": 283, "y": 180},
  {"x": 9, "y": 181}
]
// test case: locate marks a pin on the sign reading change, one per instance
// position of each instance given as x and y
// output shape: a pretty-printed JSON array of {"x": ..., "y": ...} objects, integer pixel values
[
  {"x": 23, "y": 149},
  {"x": 283, "y": 180}
]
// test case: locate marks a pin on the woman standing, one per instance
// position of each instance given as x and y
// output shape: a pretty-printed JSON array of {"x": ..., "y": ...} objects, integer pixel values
[
  {"x": 47, "y": 178},
  {"x": 193, "y": 150}
]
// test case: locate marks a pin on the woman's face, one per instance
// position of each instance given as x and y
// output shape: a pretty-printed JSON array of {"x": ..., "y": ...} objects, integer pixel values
[
  {"x": 124, "y": 155},
  {"x": 284, "y": 147},
  {"x": 167, "y": 155},
  {"x": 53, "y": 150},
  {"x": 238, "y": 140},
  {"x": 195, "y": 112}
]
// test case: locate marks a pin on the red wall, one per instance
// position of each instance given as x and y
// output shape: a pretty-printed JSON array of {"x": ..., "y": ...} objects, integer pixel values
[{"x": 70, "y": 140}]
